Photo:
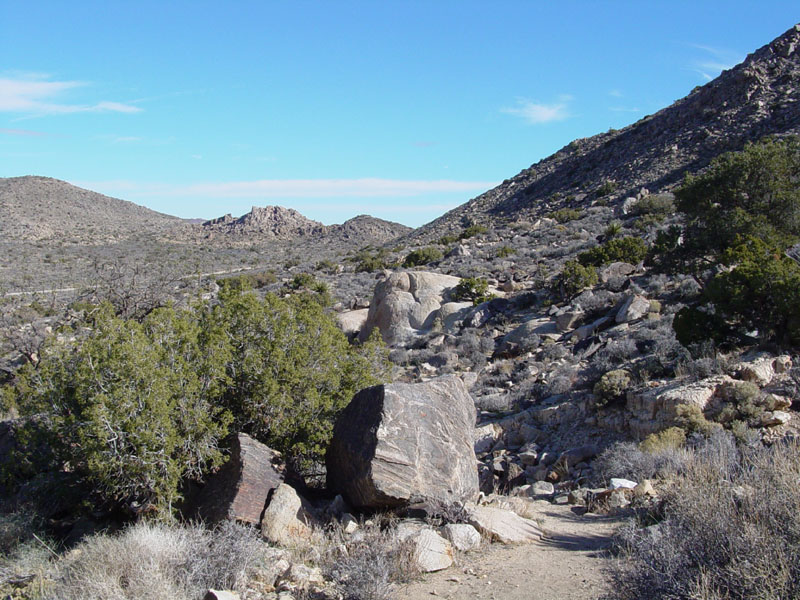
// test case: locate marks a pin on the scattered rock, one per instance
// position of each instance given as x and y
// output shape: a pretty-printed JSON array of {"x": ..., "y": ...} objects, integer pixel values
[
  {"x": 431, "y": 551},
  {"x": 220, "y": 595},
  {"x": 463, "y": 536},
  {"x": 286, "y": 520},
  {"x": 502, "y": 525}
]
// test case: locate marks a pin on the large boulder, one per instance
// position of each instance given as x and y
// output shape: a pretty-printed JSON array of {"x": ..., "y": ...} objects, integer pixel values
[
  {"x": 352, "y": 321},
  {"x": 239, "y": 490},
  {"x": 404, "y": 443},
  {"x": 407, "y": 303}
]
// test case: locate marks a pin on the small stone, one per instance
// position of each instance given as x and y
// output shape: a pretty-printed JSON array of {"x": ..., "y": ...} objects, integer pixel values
[
  {"x": 645, "y": 488},
  {"x": 618, "y": 482},
  {"x": 776, "y": 417},
  {"x": 220, "y": 595},
  {"x": 463, "y": 536},
  {"x": 349, "y": 523}
]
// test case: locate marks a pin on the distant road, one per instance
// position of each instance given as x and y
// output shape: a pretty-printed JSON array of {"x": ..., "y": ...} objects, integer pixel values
[{"x": 74, "y": 289}]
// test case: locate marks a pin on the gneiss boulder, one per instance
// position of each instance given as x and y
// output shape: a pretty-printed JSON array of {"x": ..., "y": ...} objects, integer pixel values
[
  {"x": 239, "y": 490},
  {"x": 405, "y": 443}
]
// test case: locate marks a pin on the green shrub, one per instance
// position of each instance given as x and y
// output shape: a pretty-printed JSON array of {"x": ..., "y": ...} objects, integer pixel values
[
  {"x": 132, "y": 407},
  {"x": 659, "y": 206},
  {"x": 505, "y": 251},
  {"x": 613, "y": 229},
  {"x": 137, "y": 407},
  {"x": 565, "y": 215},
  {"x": 743, "y": 402},
  {"x": 447, "y": 240},
  {"x": 472, "y": 231},
  {"x": 691, "y": 418},
  {"x": 672, "y": 438},
  {"x": 627, "y": 249},
  {"x": 606, "y": 188},
  {"x": 612, "y": 386},
  {"x": 369, "y": 261},
  {"x": 327, "y": 266},
  {"x": 471, "y": 289},
  {"x": 422, "y": 256},
  {"x": 573, "y": 278}
]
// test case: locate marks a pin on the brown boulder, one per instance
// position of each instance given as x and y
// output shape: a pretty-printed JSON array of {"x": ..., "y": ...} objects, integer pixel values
[{"x": 239, "y": 490}]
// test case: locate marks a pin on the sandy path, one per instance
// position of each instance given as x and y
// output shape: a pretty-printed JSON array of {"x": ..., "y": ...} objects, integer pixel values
[{"x": 568, "y": 565}]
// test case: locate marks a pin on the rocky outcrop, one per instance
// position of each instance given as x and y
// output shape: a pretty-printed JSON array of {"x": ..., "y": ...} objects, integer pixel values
[
  {"x": 403, "y": 443},
  {"x": 503, "y": 526},
  {"x": 407, "y": 303},
  {"x": 239, "y": 490},
  {"x": 272, "y": 221}
]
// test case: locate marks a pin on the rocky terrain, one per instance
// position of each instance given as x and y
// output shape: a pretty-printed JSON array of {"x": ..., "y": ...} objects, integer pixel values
[{"x": 522, "y": 416}]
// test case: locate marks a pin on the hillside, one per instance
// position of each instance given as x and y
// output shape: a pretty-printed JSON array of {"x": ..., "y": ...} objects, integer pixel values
[
  {"x": 40, "y": 208},
  {"x": 759, "y": 97}
]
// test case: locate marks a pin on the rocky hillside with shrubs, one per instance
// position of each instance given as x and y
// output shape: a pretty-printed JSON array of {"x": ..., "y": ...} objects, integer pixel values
[{"x": 599, "y": 337}]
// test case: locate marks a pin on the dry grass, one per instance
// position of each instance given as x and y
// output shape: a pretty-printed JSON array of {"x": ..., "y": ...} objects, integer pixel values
[
  {"x": 158, "y": 561},
  {"x": 730, "y": 530}
]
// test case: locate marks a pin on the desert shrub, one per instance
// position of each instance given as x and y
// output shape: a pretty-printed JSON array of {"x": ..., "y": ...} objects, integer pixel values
[
  {"x": 368, "y": 261},
  {"x": 136, "y": 407},
  {"x": 472, "y": 231},
  {"x": 743, "y": 402},
  {"x": 730, "y": 529},
  {"x": 613, "y": 229},
  {"x": 157, "y": 561},
  {"x": 422, "y": 256},
  {"x": 691, "y": 418},
  {"x": 250, "y": 280},
  {"x": 447, "y": 240},
  {"x": 289, "y": 370},
  {"x": 472, "y": 289},
  {"x": 132, "y": 406},
  {"x": 627, "y": 249},
  {"x": 505, "y": 251},
  {"x": 612, "y": 386},
  {"x": 627, "y": 460},
  {"x": 327, "y": 266},
  {"x": 659, "y": 206},
  {"x": 372, "y": 565},
  {"x": 672, "y": 438},
  {"x": 565, "y": 215},
  {"x": 574, "y": 277},
  {"x": 606, "y": 188}
]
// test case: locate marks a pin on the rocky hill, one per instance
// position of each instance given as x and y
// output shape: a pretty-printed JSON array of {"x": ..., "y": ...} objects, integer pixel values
[
  {"x": 759, "y": 97},
  {"x": 38, "y": 208},
  {"x": 279, "y": 223}
]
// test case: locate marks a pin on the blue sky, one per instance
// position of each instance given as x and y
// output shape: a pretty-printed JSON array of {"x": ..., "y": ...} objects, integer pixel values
[{"x": 401, "y": 110}]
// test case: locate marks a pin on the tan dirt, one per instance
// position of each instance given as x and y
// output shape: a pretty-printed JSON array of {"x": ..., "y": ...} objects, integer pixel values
[{"x": 569, "y": 564}]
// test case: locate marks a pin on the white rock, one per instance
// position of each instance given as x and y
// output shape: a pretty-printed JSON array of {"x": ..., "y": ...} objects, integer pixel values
[
  {"x": 618, "y": 482},
  {"x": 776, "y": 417},
  {"x": 463, "y": 536},
  {"x": 431, "y": 551},
  {"x": 503, "y": 525}
]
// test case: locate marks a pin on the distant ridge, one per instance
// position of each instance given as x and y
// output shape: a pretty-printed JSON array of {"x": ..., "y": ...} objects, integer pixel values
[
  {"x": 36, "y": 208},
  {"x": 759, "y": 97}
]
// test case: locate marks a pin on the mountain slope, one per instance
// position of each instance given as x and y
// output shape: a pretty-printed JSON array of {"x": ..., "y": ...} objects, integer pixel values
[
  {"x": 35, "y": 208},
  {"x": 760, "y": 96}
]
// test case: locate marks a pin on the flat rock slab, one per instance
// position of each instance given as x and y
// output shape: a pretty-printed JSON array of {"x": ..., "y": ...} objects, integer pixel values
[
  {"x": 503, "y": 526},
  {"x": 239, "y": 490},
  {"x": 405, "y": 443}
]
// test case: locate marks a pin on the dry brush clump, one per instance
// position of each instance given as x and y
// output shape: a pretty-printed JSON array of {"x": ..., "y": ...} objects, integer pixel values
[
  {"x": 730, "y": 528},
  {"x": 150, "y": 560}
]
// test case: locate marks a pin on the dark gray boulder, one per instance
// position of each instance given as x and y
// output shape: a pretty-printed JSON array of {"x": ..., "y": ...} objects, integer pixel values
[{"x": 405, "y": 443}]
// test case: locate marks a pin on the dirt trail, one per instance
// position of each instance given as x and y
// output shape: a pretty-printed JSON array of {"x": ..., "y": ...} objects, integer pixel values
[{"x": 567, "y": 565}]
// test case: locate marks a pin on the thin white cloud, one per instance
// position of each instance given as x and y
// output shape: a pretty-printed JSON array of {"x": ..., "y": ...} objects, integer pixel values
[
  {"x": 714, "y": 60},
  {"x": 23, "y": 132},
  {"x": 632, "y": 109},
  {"x": 35, "y": 96},
  {"x": 536, "y": 114},
  {"x": 615, "y": 93},
  {"x": 294, "y": 188}
]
